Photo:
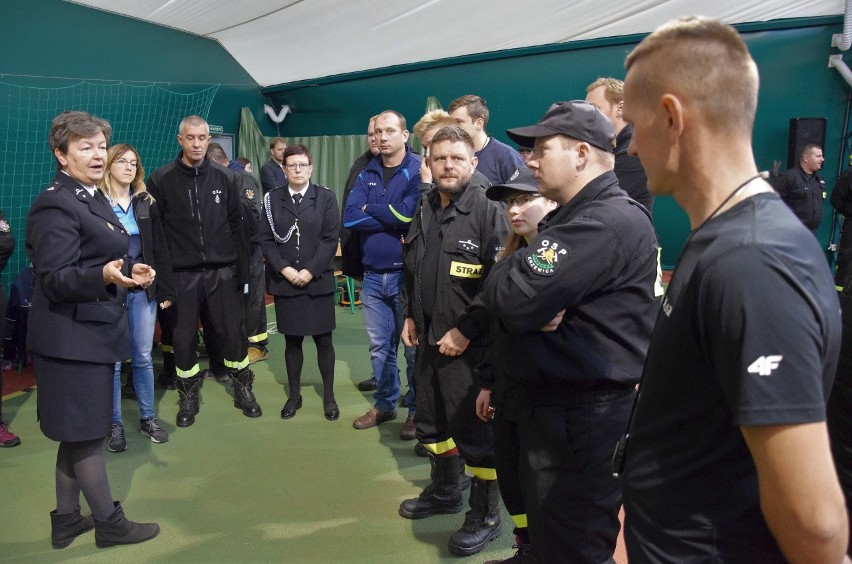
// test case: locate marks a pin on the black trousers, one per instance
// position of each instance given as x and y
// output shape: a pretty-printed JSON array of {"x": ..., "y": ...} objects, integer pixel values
[
  {"x": 255, "y": 300},
  {"x": 211, "y": 295},
  {"x": 446, "y": 406},
  {"x": 572, "y": 499},
  {"x": 507, "y": 456}
]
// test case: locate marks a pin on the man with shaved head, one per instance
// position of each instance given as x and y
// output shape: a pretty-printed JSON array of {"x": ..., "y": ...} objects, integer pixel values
[{"x": 727, "y": 458}]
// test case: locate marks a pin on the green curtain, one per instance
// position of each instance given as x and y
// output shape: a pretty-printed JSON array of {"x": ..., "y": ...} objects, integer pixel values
[
  {"x": 252, "y": 144},
  {"x": 333, "y": 155}
]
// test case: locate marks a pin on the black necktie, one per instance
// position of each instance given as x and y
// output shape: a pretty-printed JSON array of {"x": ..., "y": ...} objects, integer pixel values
[{"x": 297, "y": 199}]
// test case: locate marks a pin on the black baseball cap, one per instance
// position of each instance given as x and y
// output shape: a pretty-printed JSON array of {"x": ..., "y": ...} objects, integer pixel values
[
  {"x": 524, "y": 182},
  {"x": 577, "y": 119}
]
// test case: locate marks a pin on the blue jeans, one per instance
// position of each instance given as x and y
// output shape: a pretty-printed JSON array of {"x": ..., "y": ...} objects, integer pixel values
[
  {"x": 381, "y": 300},
  {"x": 141, "y": 317}
]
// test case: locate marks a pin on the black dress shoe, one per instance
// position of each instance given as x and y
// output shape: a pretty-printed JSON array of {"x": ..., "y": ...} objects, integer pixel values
[
  {"x": 367, "y": 385},
  {"x": 290, "y": 408},
  {"x": 332, "y": 413}
]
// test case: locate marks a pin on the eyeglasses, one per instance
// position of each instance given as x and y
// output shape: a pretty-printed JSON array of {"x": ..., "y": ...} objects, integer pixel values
[
  {"x": 297, "y": 166},
  {"x": 521, "y": 199},
  {"x": 124, "y": 162}
]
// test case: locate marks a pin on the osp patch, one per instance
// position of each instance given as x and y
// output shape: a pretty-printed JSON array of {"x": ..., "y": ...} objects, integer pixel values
[{"x": 546, "y": 258}]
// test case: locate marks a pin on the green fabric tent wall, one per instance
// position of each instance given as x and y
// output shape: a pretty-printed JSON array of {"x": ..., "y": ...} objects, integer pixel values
[{"x": 333, "y": 155}]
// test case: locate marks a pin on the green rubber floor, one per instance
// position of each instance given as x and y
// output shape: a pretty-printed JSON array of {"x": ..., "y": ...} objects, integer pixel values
[{"x": 234, "y": 489}]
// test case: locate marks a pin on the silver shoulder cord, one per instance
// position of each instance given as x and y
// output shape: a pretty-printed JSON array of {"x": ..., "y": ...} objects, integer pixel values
[{"x": 278, "y": 238}]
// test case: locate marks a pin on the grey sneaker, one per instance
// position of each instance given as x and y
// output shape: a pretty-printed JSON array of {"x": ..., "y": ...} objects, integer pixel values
[
  {"x": 151, "y": 429},
  {"x": 116, "y": 441}
]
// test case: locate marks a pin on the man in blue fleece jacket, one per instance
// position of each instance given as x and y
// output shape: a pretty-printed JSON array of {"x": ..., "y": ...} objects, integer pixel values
[{"x": 380, "y": 206}]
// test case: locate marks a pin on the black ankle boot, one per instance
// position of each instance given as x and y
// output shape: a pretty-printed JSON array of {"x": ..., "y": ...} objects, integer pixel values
[
  {"x": 482, "y": 522},
  {"x": 66, "y": 526},
  {"x": 443, "y": 495},
  {"x": 117, "y": 529},
  {"x": 188, "y": 389},
  {"x": 243, "y": 396}
]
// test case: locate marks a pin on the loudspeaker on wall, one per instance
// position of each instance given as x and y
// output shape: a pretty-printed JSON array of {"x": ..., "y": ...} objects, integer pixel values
[{"x": 802, "y": 132}]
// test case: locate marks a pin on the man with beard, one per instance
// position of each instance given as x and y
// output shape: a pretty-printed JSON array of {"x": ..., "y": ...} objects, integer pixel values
[{"x": 451, "y": 246}]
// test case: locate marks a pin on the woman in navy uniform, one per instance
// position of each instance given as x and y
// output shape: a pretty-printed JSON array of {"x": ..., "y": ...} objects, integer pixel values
[
  {"x": 78, "y": 327},
  {"x": 299, "y": 234}
]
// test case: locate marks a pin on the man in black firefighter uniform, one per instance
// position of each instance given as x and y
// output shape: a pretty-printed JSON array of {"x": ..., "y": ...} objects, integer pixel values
[
  {"x": 455, "y": 235},
  {"x": 591, "y": 275},
  {"x": 201, "y": 210}
]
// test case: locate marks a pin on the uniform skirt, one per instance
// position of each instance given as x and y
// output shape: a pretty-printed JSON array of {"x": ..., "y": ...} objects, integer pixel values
[
  {"x": 305, "y": 315},
  {"x": 74, "y": 398}
]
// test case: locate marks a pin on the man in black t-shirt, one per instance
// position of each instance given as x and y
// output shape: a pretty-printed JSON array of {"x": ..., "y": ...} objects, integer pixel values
[{"x": 728, "y": 457}]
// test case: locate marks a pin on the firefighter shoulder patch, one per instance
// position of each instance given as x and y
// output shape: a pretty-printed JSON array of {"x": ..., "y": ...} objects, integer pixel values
[
  {"x": 545, "y": 258},
  {"x": 250, "y": 194}
]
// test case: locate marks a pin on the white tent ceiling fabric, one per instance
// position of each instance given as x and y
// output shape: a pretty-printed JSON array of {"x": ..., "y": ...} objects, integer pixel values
[{"x": 283, "y": 41}]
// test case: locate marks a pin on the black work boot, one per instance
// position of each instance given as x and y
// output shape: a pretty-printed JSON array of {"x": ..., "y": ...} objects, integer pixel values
[
  {"x": 481, "y": 522},
  {"x": 443, "y": 495},
  {"x": 66, "y": 526},
  {"x": 188, "y": 390},
  {"x": 117, "y": 529},
  {"x": 243, "y": 396},
  {"x": 167, "y": 375}
]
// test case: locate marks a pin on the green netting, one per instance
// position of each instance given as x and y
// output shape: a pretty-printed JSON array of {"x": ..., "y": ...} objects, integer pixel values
[{"x": 144, "y": 115}]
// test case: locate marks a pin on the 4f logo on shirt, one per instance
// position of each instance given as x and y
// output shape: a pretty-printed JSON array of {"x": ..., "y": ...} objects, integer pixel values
[
  {"x": 546, "y": 257},
  {"x": 764, "y": 365},
  {"x": 217, "y": 192}
]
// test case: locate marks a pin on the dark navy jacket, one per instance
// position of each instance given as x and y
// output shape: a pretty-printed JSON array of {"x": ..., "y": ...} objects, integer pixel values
[{"x": 70, "y": 237}]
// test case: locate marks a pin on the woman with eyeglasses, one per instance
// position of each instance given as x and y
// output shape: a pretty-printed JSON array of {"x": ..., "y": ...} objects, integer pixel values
[
  {"x": 298, "y": 237},
  {"x": 77, "y": 328},
  {"x": 136, "y": 209},
  {"x": 501, "y": 395}
]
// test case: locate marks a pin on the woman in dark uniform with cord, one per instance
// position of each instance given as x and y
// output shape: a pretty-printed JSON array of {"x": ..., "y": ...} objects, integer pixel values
[
  {"x": 78, "y": 327},
  {"x": 299, "y": 234}
]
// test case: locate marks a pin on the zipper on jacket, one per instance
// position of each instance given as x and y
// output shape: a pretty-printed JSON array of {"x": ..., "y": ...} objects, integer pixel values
[{"x": 198, "y": 219}]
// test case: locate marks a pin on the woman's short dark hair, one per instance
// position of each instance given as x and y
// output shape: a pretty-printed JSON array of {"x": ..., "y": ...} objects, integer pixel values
[
  {"x": 297, "y": 150},
  {"x": 72, "y": 125}
]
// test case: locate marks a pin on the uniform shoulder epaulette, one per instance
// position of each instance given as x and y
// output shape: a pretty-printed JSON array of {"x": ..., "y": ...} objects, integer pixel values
[{"x": 273, "y": 189}]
